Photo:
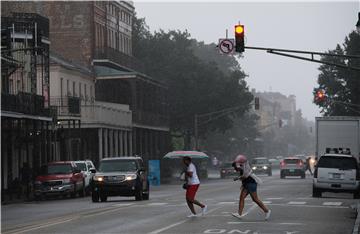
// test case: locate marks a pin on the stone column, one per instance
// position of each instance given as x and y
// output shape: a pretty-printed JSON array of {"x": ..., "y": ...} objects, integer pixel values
[
  {"x": 106, "y": 144},
  {"x": 116, "y": 139},
  {"x": 100, "y": 140}
]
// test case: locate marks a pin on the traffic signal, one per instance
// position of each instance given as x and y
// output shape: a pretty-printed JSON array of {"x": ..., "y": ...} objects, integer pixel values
[
  {"x": 320, "y": 96},
  {"x": 257, "y": 103},
  {"x": 239, "y": 38}
]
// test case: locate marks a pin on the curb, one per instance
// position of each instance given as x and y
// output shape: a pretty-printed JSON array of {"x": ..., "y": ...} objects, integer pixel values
[{"x": 357, "y": 221}]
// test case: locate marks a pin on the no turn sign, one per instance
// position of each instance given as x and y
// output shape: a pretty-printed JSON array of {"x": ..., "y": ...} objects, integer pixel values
[{"x": 226, "y": 45}]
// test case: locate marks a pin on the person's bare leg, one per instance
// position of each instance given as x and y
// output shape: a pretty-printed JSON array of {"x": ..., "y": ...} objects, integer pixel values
[
  {"x": 196, "y": 202},
  {"x": 243, "y": 195},
  {"x": 191, "y": 205},
  {"x": 256, "y": 199}
]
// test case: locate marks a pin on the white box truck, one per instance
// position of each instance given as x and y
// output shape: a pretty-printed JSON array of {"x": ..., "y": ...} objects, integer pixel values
[{"x": 338, "y": 132}]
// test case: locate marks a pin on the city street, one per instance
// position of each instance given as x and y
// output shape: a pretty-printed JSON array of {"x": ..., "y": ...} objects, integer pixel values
[{"x": 293, "y": 211}]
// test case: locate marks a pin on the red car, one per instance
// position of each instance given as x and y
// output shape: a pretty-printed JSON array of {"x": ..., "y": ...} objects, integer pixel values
[{"x": 59, "y": 178}]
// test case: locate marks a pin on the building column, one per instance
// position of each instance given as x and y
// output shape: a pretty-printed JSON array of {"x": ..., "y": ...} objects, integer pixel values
[
  {"x": 116, "y": 139},
  {"x": 126, "y": 143},
  {"x": 111, "y": 143},
  {"x": 100, "y": 141},
  {"x": 106, "y": 144},
  {"x": 130, "y": 144},
  {"x": 121, "y": 141}
]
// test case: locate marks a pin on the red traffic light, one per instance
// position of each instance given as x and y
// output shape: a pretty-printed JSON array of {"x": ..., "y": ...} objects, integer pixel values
[{"x": 320, "y": 96}]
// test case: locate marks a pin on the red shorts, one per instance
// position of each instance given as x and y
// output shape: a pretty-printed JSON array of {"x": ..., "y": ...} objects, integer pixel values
[{"x": 191, "y": 191}]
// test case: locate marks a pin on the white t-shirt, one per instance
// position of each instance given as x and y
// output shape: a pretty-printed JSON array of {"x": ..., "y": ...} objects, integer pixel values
[{"x": 194, "y": 179}]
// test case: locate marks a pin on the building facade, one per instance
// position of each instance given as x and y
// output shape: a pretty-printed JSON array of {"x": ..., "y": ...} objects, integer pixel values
[{"x": 27, "y": 131}]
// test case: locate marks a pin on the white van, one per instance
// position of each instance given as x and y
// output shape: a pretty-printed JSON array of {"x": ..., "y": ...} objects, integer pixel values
[{"x": 336, "y": 173}]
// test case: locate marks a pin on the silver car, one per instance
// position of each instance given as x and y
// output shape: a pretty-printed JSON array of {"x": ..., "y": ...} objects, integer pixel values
[{"x": 336, "y": 173}]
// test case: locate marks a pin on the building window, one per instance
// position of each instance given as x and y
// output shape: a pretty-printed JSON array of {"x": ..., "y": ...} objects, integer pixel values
[
  {"x": 61, "y": 87},
  {"x": 74, "y": 91},
  {"x": 68, "y": 88}
]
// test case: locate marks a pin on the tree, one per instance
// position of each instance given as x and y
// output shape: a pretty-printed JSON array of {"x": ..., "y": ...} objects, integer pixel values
[
  {"x": 341, "y": 86},
  {"x": 195, "y": 86}
]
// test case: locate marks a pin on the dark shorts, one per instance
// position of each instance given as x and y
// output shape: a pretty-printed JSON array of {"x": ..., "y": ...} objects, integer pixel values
[
  {"x": 250, "y": 187},
  {"x": 191, "y": 191}
]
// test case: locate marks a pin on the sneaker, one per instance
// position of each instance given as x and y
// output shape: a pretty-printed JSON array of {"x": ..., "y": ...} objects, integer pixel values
[
  {"x": 267, "y": 215},
  {"x": 236, "y": 215},
  {"x": 192, "y": 216},
  {"x": 204, "y": 210}
]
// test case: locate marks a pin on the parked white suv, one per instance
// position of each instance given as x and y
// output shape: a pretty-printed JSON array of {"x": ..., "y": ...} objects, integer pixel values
[
  {"x": 86, "y": 166},
  {"x": 336, "y": 173}
]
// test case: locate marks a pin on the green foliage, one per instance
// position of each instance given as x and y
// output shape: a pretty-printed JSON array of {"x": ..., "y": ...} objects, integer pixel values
[
  {"x": 196, "y": 85},
  {"x": 342, "y": 86}
]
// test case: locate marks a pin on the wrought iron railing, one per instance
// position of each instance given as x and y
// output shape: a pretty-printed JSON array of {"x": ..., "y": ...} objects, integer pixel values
[
  {"x": 66, "y": 106},
  {"x": 119, "y": 57},
  {"x": 25, "y": 103}
]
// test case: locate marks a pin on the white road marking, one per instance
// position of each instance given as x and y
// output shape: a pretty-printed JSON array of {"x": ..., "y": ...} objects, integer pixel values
[
  {"x": 157, "y": 204},
  {"x": 123, "y": 204},
  {"x": 297, "y": 203},
  {"x": 332, "y": 203},
  {"x": 178, "y": 223},
  {"x": 312, "y": 206},
  {"x": 265, "y": 222},
  {"x": 226, "y": 203},
  {"x": 267, "y": 202},
  {"x": 274, "y": 198}
]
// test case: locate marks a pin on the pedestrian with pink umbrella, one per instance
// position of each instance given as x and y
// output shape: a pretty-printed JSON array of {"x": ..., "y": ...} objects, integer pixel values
[{"x": 249, "y": 186}]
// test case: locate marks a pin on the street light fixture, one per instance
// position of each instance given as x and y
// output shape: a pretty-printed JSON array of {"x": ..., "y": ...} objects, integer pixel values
[{"x": 358, "y": 24}]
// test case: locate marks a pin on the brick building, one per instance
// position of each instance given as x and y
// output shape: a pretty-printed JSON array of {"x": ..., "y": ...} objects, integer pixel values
[{"x": 98, "y": 36}]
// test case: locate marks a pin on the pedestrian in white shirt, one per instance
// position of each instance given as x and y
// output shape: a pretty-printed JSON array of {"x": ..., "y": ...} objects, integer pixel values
[{"x": 193, "y": 184}]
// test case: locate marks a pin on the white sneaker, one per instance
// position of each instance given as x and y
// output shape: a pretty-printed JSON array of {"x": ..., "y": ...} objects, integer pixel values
[
  {"x": 192, "y": 216},
  {"x": 236, "y": 215},
  {"x": 204, "y": 210},
  {"x": 267, "y": 215}
]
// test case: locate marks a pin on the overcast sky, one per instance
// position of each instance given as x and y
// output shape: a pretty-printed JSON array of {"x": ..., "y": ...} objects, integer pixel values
[{"x": 316, "y": 26}]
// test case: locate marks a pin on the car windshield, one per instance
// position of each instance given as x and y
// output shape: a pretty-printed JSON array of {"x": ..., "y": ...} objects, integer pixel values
[
  {"x": 291, "y": 161},
  {"x": 337, "y": 162},
  {"x": 81, "y": 166},
  {"x": 59, "y": 169},
  {"x": 227, "y": 165},
  {"x": 260, "y": 161},
  {"x": 117, "y": 165}
]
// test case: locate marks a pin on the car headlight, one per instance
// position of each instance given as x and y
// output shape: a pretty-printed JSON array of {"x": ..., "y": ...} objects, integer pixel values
[
  {"x": 131, "y": 177},
  {"x": 265, "y": 167},
  {"x": 66, "y": 181},
  {"x": 99, "y": 178},
  {"x": 254, "y": 168}
]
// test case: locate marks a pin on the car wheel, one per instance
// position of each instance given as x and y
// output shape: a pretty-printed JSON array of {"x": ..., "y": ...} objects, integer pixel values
[
  {"x": 356, "y": 195},
  {"x": 282, "y": 176},
  {"x": 95, "y": 196},
  {"x": 139, "y": 194},
  {"x": 82, "y": 190},
  {"x": 73, "y": 193},
  {"x": 303, "y": 176},
  {"x": 270, "y": 173},
  {"x": 316, "y": 192},
  {"x": 146, "y": 195},
  {"x": 103, "y": 198}
]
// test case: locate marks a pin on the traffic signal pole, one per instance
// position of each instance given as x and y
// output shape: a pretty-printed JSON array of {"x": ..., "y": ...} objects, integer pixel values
[{"x": 285, "y": 52}]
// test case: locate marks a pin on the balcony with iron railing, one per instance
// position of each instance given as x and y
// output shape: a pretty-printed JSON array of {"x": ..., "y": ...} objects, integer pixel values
[
  {"x": 24, "y": 103},
  {"x": 67, "y": 106},
  {"x": 119, "y": 57}
]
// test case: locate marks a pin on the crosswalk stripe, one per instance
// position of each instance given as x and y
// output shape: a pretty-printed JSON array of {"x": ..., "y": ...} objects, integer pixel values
[
  {"x": 267, "y": 202},
  {"x": 297, "y": 203},
  {"x": 123, "y": 204},
  {"x": 332, "y": 203},
  {"x": 157, "y": 204},
  {"x": 274, "y": 198},
  {"x": 226, "y": 203}
]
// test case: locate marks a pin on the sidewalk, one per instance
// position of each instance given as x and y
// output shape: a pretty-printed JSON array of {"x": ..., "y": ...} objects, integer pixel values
[{"x": 356, "y": 229}]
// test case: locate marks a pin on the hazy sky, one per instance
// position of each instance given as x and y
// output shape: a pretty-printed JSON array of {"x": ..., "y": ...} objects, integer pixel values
[{"x": 316, "y": 26}]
